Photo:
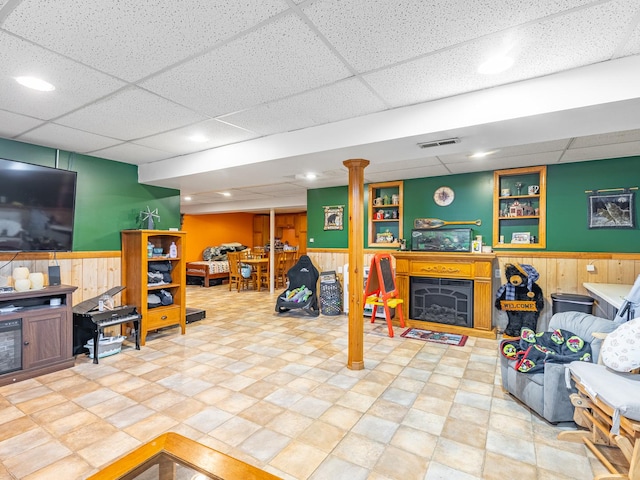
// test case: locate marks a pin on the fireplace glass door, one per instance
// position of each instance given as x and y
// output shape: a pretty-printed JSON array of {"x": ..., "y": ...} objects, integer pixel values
[
  {"x": 442, "y": 300},
  {"x": 10, "y": 345}
]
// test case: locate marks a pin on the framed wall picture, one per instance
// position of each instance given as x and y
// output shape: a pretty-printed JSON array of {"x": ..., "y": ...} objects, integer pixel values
[
  {"x": 615, "y": 210},
  {"x": 333, "y": 217},
  {"x": 520, "y": 237}
]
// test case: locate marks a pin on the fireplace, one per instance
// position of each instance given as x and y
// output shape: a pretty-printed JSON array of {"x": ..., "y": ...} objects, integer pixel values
[
  {"x": 10, "y": 346},
  {"x": 441, "y": 300}
]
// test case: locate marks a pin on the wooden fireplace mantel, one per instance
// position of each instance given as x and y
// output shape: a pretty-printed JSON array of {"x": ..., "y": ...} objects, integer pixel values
[{"x": 466, "y": 266}]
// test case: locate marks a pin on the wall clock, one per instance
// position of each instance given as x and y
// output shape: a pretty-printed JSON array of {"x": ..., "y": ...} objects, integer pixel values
[{"x": 443, "y": 196}]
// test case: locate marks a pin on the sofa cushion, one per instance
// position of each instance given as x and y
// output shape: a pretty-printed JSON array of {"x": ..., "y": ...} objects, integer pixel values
[{"x": 584, "y": 325}]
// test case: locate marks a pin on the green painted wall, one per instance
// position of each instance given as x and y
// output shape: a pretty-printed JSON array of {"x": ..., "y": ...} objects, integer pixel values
[
  {"x": 567, "y": 227},
  {"x": 108, "y": 196},
  {"x": 326, "y": 197}
]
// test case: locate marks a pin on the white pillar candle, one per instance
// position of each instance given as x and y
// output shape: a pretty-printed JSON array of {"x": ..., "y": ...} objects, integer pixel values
[
  {"x": 37, "y": 280},
  {"x": 22, "y": 284},
  {"x": 20, "y": 273}
]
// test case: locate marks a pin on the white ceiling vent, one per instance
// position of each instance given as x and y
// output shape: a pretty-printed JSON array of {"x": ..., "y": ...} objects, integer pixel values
[{"x": 439, "y": 143}]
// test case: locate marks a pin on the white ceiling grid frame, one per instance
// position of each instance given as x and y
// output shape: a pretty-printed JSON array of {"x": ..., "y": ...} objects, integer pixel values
[
  {"x": 539, "y": 49},
  {"x": 12, "y": 124},
  {"x": 65, "y": 138},
  {"x": 217, "y": 133},
  {"x": 521, "y": 100},
  {"x": 132, "y": 153},
  {"x": 395, "y": 31},
  {"x": 279, "y": 59},
  {"x": 100, "y": 33},
  {"x": 338, "y": 101},
  {"x": 76, "y": 84},
  {"x": 129, "y": 114}
]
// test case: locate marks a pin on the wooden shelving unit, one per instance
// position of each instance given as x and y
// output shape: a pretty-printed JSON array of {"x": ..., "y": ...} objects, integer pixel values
[
  {"x": 385, "y": 214},
  {"x": 135, "y": 265},
  {"x": 519, "y": 213}
]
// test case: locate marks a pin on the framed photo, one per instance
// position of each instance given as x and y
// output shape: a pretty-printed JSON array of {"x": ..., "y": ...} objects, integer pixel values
[
  {"x": 333, "y": 217},
  {"x": 520, "y": 237},
  {"x": 612, "y": 211}
]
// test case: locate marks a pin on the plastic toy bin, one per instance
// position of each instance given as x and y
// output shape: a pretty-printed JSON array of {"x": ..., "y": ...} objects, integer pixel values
[{"x": 106, "y": 346}]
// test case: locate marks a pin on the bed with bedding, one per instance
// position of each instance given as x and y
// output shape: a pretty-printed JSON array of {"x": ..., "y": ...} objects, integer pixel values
[
  {"x": 209, "y": 270},
  {"x": 214, "y": 264}
]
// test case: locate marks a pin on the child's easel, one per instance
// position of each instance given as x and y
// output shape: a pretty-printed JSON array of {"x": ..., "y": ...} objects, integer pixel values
[{"x": 381, "y": 289}]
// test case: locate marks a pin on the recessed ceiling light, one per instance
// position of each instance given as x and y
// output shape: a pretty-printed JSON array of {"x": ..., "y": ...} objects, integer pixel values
[
  {"x": 225, "y": 194},
  {"x": 497, "y": 64},
  {"x": 482, "y": 154},
  {"x": 187, "y": 199},
  {"x": 310, "y": 176},
  {"x": 198, "y": 138},
  {"x": 35, "y": 84}
]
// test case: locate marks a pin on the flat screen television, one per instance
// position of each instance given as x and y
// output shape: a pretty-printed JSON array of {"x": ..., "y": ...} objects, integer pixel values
[{"x": 37, "y": 207}]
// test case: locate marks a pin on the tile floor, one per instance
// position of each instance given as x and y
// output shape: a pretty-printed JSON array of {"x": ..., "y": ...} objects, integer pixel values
[{"x": 274, "y": 391}]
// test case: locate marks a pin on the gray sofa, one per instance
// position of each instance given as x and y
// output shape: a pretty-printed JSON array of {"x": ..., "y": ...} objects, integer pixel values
[{"x": 546, "y": 392}]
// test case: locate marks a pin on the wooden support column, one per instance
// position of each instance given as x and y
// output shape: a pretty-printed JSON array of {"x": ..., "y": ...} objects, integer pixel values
[{"x": 356, "y": 262}]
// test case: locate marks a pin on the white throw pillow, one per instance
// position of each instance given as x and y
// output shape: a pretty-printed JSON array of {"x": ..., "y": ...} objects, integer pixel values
[{"x": 621, "y": 348}]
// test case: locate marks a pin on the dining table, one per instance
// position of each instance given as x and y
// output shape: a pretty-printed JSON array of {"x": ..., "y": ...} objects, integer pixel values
[{"x": 259, "y": 263}]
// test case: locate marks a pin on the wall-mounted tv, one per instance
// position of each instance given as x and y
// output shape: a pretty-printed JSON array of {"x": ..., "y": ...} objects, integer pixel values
[{"x": 37, "y": 206}]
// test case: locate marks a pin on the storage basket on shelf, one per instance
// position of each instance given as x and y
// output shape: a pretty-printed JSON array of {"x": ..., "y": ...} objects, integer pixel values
[{"x": 330, "y": 294}]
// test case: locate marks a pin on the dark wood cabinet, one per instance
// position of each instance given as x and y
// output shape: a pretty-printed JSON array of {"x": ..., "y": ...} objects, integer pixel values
[{"x": 44, "y": 343}]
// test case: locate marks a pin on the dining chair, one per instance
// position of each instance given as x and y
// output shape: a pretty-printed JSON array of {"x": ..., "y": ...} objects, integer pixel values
[
  {"x": 235, "y": 275},
  {"x": 280, "y": 270},
  {"x": 290, "y": 259},
  {"x": 265, "y": 274}
]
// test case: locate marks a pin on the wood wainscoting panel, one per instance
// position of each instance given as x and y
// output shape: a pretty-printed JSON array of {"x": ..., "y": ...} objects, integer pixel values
[{"x": 560, "y": 272}]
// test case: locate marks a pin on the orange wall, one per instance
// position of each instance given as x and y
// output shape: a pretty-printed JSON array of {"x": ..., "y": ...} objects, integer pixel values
[{"x": 214, "y": 229}]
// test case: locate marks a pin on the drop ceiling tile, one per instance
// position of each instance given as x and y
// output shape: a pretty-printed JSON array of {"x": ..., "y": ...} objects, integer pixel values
[
  {"x": 537, "y": 148},
  {"x": 179, "y": 142},
  {"x": 586, "y": 36},
  {"x": 279, "y": 59},
  {"x": 65, "y": 138},
  {"x": 543, "y": 48},
  {"x": 377, "y": 33},
  {"x": 129, "y": 114},
  {"x": 277, "y": 189},
  {"x": 131, "y": 153},
  {"x": 346, "y": 99},
  {"x": 421, "y": 162},
  {"x": 489, "y": 164},
  {"x": 605, "y": 139},
  {"x": 12, "y": 124},
  {"x": 617, "y": 150},
  {"x": 556, "y": 146},
  {"x": 75, "y": 84},
  {"x": 435, "y": 170},
  {"x": 632, "y": 46},
  {"x": 101, "y": 34},
  {"x": 241, "y": 194}
]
